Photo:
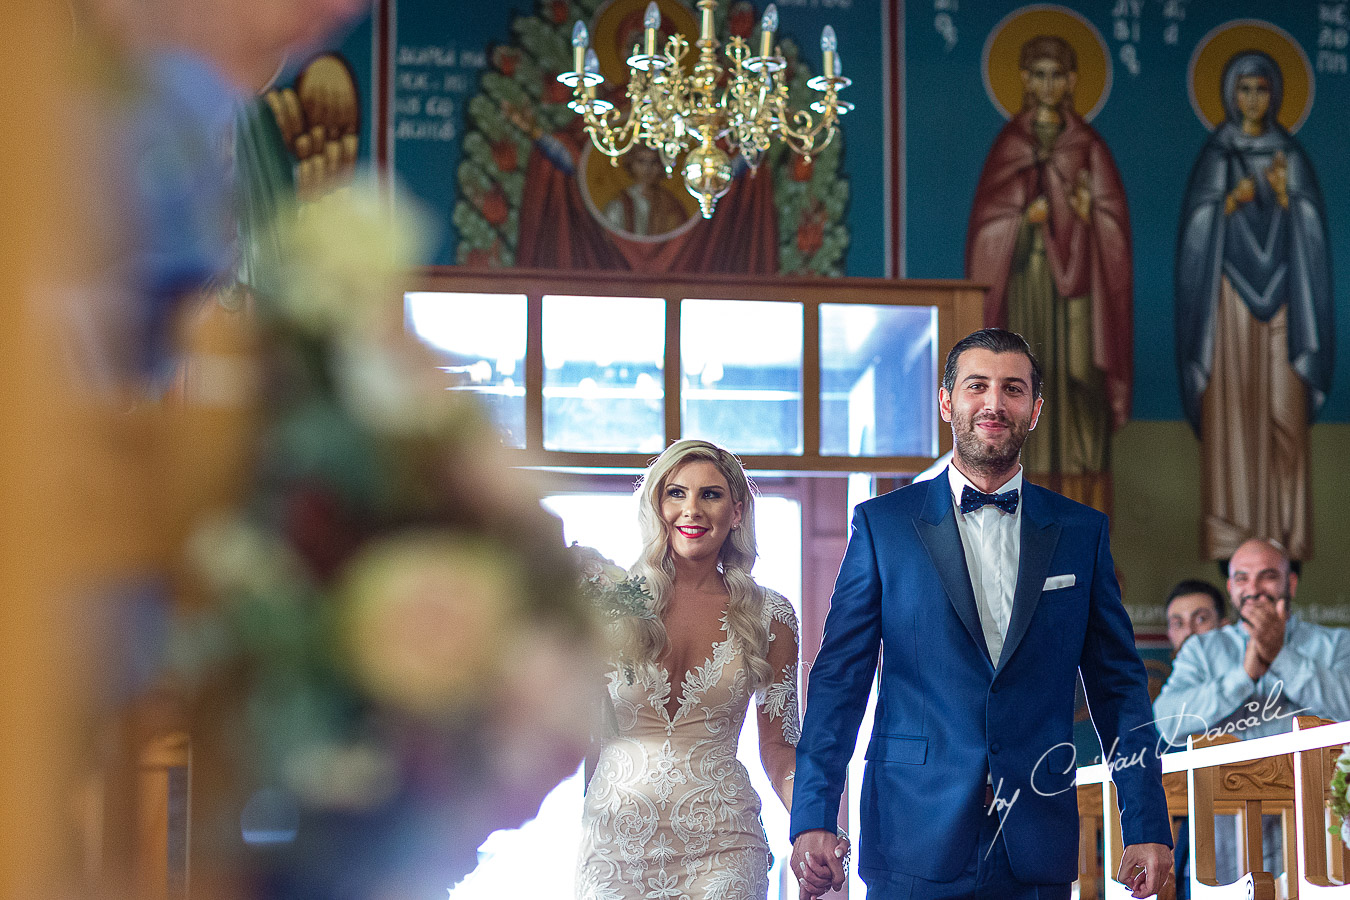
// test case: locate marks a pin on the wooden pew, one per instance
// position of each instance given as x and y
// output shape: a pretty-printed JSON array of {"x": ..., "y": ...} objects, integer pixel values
[
  {"x": 162, "y": 817},
  {"x": 1235, "y": 776},
  {"x": 1322, "y": 859},
  {"x": 1090, "y": 831},
  {"x": 1113, "y": 849},
  {"x": 1241, "y": 787}
]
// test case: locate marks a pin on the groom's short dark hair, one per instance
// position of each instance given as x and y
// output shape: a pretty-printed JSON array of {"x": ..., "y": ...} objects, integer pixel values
[{"x": 999, "y": 340}]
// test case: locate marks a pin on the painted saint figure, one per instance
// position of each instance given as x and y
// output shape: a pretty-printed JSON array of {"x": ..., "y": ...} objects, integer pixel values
[
  {"x": 646, "y": 207},
  {"x": 1253, "y": 317},
  {"x": 1050, "y": 233}
]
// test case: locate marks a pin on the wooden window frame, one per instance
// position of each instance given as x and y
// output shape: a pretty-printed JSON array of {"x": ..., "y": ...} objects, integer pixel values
[{"x": 959, "y": 306}]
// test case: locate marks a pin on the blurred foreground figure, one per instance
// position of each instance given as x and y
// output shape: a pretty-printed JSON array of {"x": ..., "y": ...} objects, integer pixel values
[
  {"x": 164, "y": 80},
  {"x": 377, "y": 648}
]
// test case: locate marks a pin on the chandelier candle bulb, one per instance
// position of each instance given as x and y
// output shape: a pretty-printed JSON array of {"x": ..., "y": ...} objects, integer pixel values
[
  {"x": 592, "y": 69},
  {"x": 828, "y": 45},
  {"x": 650, "y": 22},
  {"x": 580, "y": 40},
  {"x": 767, "y": 26},
  {"x": 587, "y": 82}
]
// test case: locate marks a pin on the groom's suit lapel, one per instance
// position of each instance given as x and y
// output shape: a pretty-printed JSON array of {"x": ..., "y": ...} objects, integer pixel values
[
  {"x": 938, "y": 532},
  {"x": 1040, "y": 535}
]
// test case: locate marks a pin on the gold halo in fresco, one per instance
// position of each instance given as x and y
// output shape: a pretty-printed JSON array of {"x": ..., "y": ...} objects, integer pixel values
[
  {"x": 1204, "y": 75},
  {"x": 602, "y": 183},
  {"x": 1002, "y": 49},
  {"x": 617, "y": 26}
]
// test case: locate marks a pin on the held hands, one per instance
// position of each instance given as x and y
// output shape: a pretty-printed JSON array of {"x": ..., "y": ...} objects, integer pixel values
[
  {"x": 1266, "y": 618},
  {"x": 818, "y": 859},
  {"x": 1145, "y": 868}
]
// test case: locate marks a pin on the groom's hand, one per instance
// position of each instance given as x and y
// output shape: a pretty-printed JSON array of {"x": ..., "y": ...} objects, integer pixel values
[
  {"x": 1144, "y": 868},
  {"x": 818, "y": 861}
]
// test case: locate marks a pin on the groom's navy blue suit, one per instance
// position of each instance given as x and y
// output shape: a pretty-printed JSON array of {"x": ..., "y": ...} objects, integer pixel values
[{"x": 948, "y": 716}]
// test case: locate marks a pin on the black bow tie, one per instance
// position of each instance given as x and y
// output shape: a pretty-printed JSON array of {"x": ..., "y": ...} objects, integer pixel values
[{"x": 971, "y": 500}]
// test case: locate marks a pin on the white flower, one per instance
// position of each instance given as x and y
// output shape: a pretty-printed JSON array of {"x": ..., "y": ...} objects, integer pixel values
[
  {"x": 597, "y": 569},
  {"x": 426, "y": 618},
  {"x": 390, "y": 387},
  {"x": 341, "y": 256},
  {"x": 664, "y": 886}
]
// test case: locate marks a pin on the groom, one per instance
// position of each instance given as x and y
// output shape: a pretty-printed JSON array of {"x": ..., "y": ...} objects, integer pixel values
[{"x": 986, "y": 597}]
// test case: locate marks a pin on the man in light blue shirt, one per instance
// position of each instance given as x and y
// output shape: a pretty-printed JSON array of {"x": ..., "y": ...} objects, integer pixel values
[{"x": 1251, "y": 678}]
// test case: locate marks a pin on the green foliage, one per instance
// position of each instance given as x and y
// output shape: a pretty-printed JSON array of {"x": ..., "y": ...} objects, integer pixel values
[
  {"x": 1340, "y": 801},
  {"x": 629, "y": 597}
]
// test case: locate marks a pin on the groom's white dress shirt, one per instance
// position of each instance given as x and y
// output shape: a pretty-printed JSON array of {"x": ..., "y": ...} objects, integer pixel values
[{"x": 992, "y": 541}]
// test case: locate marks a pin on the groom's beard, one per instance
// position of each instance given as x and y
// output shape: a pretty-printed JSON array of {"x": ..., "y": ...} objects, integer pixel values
[{"x": 982, "y": 454}]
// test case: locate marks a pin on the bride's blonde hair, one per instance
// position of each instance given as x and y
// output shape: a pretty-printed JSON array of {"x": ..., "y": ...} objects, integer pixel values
[{"x": 646, "y": 639}]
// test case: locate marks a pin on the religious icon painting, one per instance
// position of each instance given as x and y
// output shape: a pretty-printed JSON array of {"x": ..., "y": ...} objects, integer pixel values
[
  {"x": 1049, "y": 232},
  {"x": 1253, "y": 290}
]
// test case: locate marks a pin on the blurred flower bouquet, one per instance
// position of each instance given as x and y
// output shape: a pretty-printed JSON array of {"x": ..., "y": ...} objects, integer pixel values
[
  {"x": 1340, "y": 796},
  {"x": 394, "y": 651}
]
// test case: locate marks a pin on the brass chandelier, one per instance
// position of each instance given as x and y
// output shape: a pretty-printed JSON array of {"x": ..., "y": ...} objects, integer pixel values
[{"x": 695, "y": 112}]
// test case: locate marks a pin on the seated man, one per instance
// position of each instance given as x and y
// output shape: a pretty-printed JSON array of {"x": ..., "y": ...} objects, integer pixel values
[
  {"x": 1251, "y": 678},
  {"x": 1193, "y": 607}
]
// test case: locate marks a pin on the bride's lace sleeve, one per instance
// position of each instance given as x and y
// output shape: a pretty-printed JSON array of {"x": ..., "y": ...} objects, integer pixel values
[{"x": 778, "y": 698}]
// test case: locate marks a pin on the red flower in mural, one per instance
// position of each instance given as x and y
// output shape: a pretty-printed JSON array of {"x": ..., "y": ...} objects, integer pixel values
[
  {"x": 505, "y": 155},
  {"x": 555, "y": 91},
  {"x": 494, "y": 206},
  {"x": 506, "y": 59},
  {"x": 557, "y": 11},
  {"x": 741, "y": 20},
  {"x": 802, "y": 169},
  {"x": 484, "y": 257},
  {"x": 811, "y": 230}
]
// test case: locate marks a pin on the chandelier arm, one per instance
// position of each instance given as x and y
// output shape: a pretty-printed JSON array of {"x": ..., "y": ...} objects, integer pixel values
[
  {"x": 609, "y": 146},
  {"x": 607, "y": 133},
  {"x": 812, "y": 147},
  {"x": 798, "y": 127}
]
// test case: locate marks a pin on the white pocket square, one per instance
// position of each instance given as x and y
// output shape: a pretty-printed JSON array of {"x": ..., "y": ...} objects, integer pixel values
[{"x": 1055, "y": 582}]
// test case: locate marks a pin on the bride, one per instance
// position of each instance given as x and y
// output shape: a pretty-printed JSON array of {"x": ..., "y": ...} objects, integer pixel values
[{"x": 670, "y": 812}]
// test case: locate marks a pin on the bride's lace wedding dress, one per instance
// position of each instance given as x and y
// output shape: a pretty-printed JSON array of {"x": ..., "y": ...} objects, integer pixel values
[{"x": 670, "y": 813}]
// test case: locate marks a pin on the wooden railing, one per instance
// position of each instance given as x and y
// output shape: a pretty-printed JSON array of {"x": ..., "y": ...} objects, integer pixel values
[{"x": 1285, "y": 774}]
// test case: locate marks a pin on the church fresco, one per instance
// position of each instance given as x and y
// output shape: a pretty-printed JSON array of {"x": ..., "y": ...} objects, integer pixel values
[{"x": 532, "y": 191}]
